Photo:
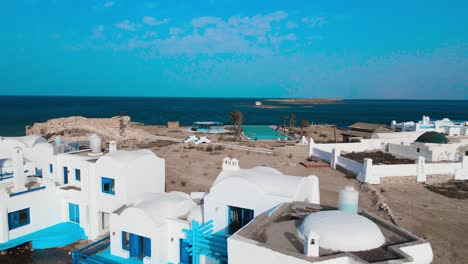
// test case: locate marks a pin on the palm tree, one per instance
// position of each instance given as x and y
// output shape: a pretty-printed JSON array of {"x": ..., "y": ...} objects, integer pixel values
[{"x": 237, "y": 118}]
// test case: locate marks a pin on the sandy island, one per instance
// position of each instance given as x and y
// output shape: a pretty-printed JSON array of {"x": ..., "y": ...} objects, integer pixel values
[{"x": 306, "y": 101}]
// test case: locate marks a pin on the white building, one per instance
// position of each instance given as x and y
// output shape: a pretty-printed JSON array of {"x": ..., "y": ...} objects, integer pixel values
[
  {"x": 446, "y": 126},
  {"x": 82, "y": 187},
  {"x": 238, "y": 195},
  {"x": 258, "y": 103},
  {"x": 302, "y": 233},
  {"x": 151, "y": 229}
]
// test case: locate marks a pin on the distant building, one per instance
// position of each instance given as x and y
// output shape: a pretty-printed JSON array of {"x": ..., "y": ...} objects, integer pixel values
[
  {"x": 446, "y": 126},
  {"x": 302, "y": 233},
  {"x": 258, "y": 103},
  {"x": 361, "y": 130}
]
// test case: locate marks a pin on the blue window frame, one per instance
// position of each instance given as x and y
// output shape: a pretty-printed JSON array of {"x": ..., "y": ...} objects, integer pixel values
[
  {"x": 51, "y": 168},
  {"x": 77, "y": 174},
  {"x": 238, "y": 218},
  {"x": 65, "y": 175},
  {"x": 125, "y": 240},
  {"x": 185, "y": 257},
  {"x": 18, "y": 218},
  {"x": 108, "y": 185}
]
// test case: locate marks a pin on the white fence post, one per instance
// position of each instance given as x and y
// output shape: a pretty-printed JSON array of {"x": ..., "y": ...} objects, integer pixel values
[
  {"x": 311, "y": 147},
  {"x": 334, "y": 158},
  {"x": 420, "y": 172},
  {"x": 462, "y": 173},
  {"x": 366, "y": 175}
]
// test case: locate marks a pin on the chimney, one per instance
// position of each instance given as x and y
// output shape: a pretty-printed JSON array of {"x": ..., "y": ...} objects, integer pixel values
[
  {"x": 112, "y": 146},
  {"x": 19, "y": 178}
]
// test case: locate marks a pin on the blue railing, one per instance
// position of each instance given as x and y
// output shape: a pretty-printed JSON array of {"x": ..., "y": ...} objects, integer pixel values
[
  {"x": 85, "y": 254},
  {"x": 5, "y": 176},
  {"x": 202, "y": 241},
  {"x": 27, "y": 191}
]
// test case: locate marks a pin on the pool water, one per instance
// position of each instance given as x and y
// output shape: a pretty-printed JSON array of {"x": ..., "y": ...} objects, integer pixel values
[{"x": 262, "y": 133}]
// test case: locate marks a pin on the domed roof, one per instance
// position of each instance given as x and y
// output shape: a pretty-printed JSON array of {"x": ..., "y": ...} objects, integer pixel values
[
  {"x": 433, "y": 137},
  {"x": 342, "y": 231}
]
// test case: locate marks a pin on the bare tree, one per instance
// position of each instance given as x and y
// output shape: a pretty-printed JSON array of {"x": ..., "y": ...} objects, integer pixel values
[
  {"x": 303, "y": 123},
  {"x": 285, "y": 119},
  {"x": 237, "y": 119},
  {"x": 292, "y": 122}
]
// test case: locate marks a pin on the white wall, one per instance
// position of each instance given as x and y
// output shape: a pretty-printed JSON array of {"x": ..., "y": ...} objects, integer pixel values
[
  {"x": 239, "y": 193},
  {"x": 242, "y": 250},
  {"x": 43, "y": 210},
  {"x": 165, "y": 238}
]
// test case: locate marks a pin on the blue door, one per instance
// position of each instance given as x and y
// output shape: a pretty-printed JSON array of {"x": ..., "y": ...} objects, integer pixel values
[
  {"x": 147, "y": 247},
  {"x": 65, "y": 175},
  {"x": 140, "y": 247},
  {"x": 238, "y": 218},
  {"x": 135, "y": 246},
  {"x": 185, "y": 257},
  {"x": 74, "y": 212}
]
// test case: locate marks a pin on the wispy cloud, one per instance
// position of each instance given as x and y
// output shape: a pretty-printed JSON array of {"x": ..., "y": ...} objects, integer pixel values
[
  {"x": 109, "y": 4},
  {"x": 98, "y": 32},
  {"x": 314, "y": 21},
  {"x": 153, "y": 21},
  {"x": 126, "y": 25},
  {"x": 291, "y": 25},
  {"x": 253, "y": 35},
  {"x": 175, "y": 31}
]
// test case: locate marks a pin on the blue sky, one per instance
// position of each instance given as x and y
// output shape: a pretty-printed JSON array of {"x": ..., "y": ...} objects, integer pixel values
[{"x": 235, "y": 48}]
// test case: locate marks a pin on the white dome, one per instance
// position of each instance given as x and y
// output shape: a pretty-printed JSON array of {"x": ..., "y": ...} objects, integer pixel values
[{"x": 342, "y": 231}]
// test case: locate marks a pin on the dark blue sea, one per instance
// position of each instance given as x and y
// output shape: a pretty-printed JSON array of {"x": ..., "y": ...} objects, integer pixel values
[{"x": 17, "y": 112}]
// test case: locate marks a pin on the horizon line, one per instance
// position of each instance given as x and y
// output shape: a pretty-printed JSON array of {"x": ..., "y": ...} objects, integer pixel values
[{"x": 224, "y": 97}]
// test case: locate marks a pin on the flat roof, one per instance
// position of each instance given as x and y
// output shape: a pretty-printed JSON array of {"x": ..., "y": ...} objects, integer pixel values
[{"x": 278, "y": 231}]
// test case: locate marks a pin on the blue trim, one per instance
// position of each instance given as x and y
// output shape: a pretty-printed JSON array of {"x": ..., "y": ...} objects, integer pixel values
[
  {"x": 77, "y": 174},
  {"x": 147, "y": 247},
  {"x": 74, "y": 212},
  {"x": 30, "y": 190},
  {"x": 14, "y": 219},
  {"x": 51, "y": 168},
  {"x": 107, "y": 185}
]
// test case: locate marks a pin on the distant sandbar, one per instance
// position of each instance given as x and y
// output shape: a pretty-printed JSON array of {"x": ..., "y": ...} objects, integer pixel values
[{"x": 306, "y": 101}]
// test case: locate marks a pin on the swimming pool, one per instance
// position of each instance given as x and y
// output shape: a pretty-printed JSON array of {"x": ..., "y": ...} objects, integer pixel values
[{"x": 262, "y": 133}]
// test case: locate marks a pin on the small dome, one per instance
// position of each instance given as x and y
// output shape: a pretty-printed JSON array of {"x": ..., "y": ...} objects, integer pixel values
[
  {"x": 433, "y": 137},
  {"x": 342, "y": 231}
]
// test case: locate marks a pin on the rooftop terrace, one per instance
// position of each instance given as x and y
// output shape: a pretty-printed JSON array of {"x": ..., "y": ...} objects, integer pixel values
[{"x": 278, "y": 232}]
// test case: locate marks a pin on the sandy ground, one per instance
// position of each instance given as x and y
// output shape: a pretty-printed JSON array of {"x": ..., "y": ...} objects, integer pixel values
[{"x": 441, "y": 220}]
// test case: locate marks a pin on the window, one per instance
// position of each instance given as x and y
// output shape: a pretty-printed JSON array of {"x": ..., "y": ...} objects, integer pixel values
[
  {"x": 77, "y": 174},
  {"x": 51, "y": 168},
  {"x": 108, "y": 185},
  {"x": 125, "y": 240},
  {"x": 418, "y": 150},
  {"x": 18, "y": 218},
  {"x": 238, "y": 218}
]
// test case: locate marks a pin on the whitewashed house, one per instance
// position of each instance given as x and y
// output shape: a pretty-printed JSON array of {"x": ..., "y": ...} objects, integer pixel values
[
  {"x": 49, "y": 188},
  {"x": 445, "y": 125},
  {"x": 151, "y": 229},
  {"x": 238, "y": 195}
]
